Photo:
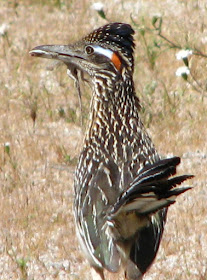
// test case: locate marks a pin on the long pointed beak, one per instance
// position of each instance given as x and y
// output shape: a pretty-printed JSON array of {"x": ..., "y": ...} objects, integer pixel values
[{"x": 58, "y": 52}]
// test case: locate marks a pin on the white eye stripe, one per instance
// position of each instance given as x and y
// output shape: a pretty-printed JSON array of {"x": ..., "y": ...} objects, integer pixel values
[{"x": 106, "y": 52}]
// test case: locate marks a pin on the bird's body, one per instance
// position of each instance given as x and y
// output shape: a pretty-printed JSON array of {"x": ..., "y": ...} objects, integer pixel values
[
  {"x": 122, "y": 187},
  {"x": 115, "y": 149}
]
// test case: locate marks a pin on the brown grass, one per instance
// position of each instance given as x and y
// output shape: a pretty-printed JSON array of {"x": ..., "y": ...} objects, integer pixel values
[{"x": 40, "y": 119}]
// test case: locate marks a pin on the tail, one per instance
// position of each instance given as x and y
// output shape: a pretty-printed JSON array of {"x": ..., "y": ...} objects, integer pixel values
[{"x": 152, "y": 189}]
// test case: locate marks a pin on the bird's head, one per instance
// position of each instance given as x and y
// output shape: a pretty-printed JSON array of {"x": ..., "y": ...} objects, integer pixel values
[{"x": 107, "y": 48}]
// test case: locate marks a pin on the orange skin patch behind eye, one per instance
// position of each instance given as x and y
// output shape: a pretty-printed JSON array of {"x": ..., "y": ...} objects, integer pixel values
[{"x": 116, "y": 61}]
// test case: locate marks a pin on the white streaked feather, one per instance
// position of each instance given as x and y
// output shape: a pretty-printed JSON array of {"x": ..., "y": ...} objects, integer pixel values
[
  {"x": 158, "y": 204},
  {"x": 149, "y": 204},
  {"x": 138, "y": 204},
  {"x": 85, "y": 247}
]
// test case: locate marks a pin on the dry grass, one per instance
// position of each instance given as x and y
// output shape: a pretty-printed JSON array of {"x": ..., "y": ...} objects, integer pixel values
[{"x": 40, "y": 119}]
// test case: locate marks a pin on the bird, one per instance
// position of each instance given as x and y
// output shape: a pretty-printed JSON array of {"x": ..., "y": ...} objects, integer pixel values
[{"x": 122, "y": 186}]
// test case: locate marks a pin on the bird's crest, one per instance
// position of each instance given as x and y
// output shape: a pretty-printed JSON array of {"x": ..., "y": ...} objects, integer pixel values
[{"x": 115, "y": 36}]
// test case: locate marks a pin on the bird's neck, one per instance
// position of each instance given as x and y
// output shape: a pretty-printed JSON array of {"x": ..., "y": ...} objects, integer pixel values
[{"x": 114, "y": 105}]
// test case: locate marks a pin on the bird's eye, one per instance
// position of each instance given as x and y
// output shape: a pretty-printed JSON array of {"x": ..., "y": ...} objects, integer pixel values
[{"x": 89, "y": 50}]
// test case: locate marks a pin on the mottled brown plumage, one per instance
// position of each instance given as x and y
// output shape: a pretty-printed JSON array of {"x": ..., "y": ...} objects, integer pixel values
[{"x": 122, "y": 187}]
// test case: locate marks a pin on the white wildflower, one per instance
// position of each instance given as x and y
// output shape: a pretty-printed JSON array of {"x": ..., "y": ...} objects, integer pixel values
[
  {"x": 204, "y": 39},
  {"x": 66, "y": 264},
  {"x": 7, "y": 144},
  {"x": 3, "y": 29},
  {"x": 98, "y": 6},
  {"x": 182, "y": 54},
  {"x": 7, "y": 147},
  {"x": 184, "y": 70},
  {"x": 157, "y": 15}
]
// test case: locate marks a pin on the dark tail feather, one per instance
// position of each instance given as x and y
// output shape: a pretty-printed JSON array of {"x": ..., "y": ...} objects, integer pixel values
[
  {"x": 145, "y": 246},
  {"x": 152, "y": 189},
  {"x": 161, "y": 169}
]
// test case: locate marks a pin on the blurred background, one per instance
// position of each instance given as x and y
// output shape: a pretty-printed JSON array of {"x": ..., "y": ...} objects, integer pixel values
[{"x": 41, "y": 132}]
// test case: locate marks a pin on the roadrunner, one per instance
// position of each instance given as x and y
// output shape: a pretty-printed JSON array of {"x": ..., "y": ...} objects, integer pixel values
[{"x": 122, "y": 186}]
